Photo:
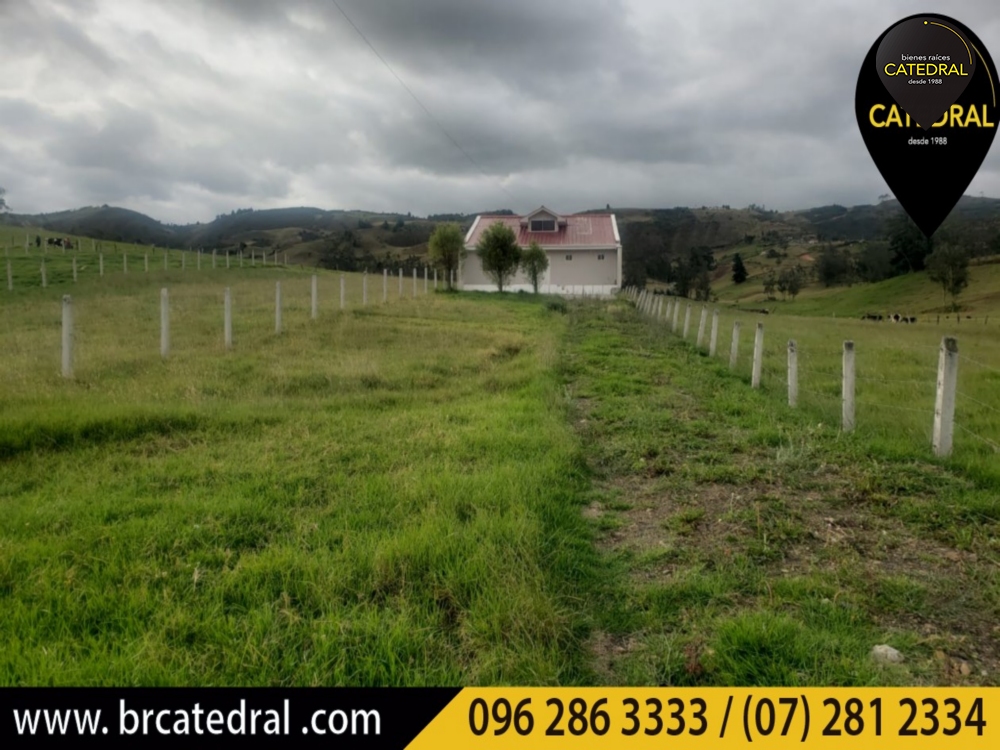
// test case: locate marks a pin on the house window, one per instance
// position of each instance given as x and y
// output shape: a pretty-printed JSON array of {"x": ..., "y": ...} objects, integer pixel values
[
  {"x": 601, "y": 256},
  {"x": 569, "y": 257},
  {"x": 543, "y": 225}
]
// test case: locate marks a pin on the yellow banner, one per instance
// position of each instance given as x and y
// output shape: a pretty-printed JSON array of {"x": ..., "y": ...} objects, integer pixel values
[{"x": 705, "y": 719}]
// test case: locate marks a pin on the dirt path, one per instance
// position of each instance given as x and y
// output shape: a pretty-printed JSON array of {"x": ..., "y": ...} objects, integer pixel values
[{"x": 752, "y": 546}]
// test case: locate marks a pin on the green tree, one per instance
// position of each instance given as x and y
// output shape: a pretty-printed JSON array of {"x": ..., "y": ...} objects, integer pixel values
[
  {"x": 790, "y": 281},
  {"x": 833, "y": 266},
  {"x": 3, "y": 201},
  {"x": 446, "y": 248},
  {"x": 534, "y": 263},
  {"x": 499, "y": 253},
  {"x": 739, "y": 270},
  {"x": 908, "y": 245},
  {"x": 948, "y": 265},
  {"x": 770, "y": 282}
]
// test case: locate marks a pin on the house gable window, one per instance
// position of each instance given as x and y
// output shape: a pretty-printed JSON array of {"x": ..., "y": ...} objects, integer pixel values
[
  {"x": 601, "y": 256},
  {"x": 543, "y": 225},
  {"x": 569, "y": 257}
]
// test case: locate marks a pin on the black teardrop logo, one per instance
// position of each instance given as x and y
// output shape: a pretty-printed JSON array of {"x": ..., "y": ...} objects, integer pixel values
[
  {"x": 927, "y": 128},
  {"x": 925, "y": 65}
]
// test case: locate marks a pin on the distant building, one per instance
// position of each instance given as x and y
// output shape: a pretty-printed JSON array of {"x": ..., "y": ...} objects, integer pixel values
[{"x": 584, "y": 250}]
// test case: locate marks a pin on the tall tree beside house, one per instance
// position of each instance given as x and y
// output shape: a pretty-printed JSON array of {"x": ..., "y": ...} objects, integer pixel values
[
  {"x": 739, "y": 270},
  {"x": 534, "y": 263},
  {"x": 446, "y": 248},
  {"x": 499, "y": 253},
  {"x": 948, "y": 265}
]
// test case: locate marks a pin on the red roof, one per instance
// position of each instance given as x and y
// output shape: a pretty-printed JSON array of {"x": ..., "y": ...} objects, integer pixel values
[{"x": 586, "y": 230}]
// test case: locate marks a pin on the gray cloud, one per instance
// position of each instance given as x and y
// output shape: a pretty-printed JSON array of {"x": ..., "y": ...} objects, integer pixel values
[{"x": 187, "y": 109}]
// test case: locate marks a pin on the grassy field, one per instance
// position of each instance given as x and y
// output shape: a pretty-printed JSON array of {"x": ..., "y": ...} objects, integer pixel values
[
  {"x": 748, "y": 543},
  {"x": 910, "y": 294},
  {"x": 346, "y": 503},
  {"x": 474, "y": 489}
]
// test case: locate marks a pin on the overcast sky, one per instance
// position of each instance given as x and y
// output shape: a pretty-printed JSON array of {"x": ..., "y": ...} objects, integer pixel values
[{"x": 190, "y": 108}]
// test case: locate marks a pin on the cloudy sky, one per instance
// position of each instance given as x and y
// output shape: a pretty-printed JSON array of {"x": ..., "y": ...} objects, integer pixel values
[{"x": 189, "y": 108}]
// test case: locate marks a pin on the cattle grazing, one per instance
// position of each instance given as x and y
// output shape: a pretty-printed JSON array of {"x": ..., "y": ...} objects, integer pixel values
[{"x": 871, "y": 316}]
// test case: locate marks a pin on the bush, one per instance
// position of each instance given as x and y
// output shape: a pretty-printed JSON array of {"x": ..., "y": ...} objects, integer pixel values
[{"x": 557, "y": 305}]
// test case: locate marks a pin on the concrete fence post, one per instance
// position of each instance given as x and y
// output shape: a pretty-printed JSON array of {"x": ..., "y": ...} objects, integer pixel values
[
  {"x": 675, "y": 316},
  {"x": 435, "y": 279},
  {"x": 74, "y": 269},
  {"x": 385, "y": 285},
  {"x": 227, "y": 323},
  {"x": 734, "y": 348},
  {"x": 701, "y": 326},
  {"x": 687, "y": 320},
  {"x": 414, "y": 282},
  {"x": 184, "y": 257},
  {"x": 425, "y": 279},
  {"x": 10, "y": 277},
  {"x": 253, "y": 259},
  {"x": 758, "y": 356},
  {"x": 164, "y": 323},
  {"x": 100, "y": 264},
  {"x": 124, "y": 262},
  {"x": 944, "y": 404},
  {"x": 315, "y": 296},
  {"x": 713, "y": 338},
  {"x": 213, "y": 260},
  {"x": 241, "y": 259},
  {"x": 848, "y": 387},
  {"x": 343, "y": 292},
  {"x": 401, "y": 283},
  {"x": 364, "y": 289},
  {"x": 227, "y": 259},
  {"x": 145, "y": 263},
  {"x": 67, "y": 336},
  {"x": 277, "y": 307},
  {"x": 198, "y": 258},
  {"x": 793, "y": 374},
  {"x": 44, "y": 278},
  {"x": 286, "y": 258}
]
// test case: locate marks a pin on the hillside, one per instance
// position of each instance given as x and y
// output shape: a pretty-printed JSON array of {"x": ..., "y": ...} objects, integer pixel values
[{"x": 655, "y": 240}]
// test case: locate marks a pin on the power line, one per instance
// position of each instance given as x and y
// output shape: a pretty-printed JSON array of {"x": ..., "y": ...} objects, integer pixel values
[{"x": 417, "y": 100}]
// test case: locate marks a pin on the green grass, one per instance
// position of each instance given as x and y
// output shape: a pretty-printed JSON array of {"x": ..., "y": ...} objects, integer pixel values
[
  {"x": 475, "y": 489},
  {"x": 749, "y": 543},
  {"x": 385, "y": 496}
]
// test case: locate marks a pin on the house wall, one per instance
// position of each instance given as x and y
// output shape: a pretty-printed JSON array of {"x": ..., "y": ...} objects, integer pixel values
[
  {"x": 585, "y": 268},
  {"x": 584, "y": 274}
]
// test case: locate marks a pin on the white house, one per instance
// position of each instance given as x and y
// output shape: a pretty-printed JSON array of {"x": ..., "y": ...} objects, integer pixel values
[{"x": 584, "y": 250}]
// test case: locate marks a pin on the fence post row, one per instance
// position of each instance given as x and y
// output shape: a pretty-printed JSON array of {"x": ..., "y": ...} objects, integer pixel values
[
  {"x": 848, "y": 387},
  {"x": 67, "y": 336},
  {"x": 793, "y": 374},
  {"x": 164, "y": 323},
  {"x": 944, "y": 402},
  {"x": 277, "y": 307},
  {"x": 315, "y": 297},
  {"x": 758, "y": 356},
  {"x": 228, "y": 319},
  {"x": 734, "y": 348}
]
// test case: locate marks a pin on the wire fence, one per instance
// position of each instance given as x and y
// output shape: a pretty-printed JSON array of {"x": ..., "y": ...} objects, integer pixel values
[{"x": 900, "y": 385}]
